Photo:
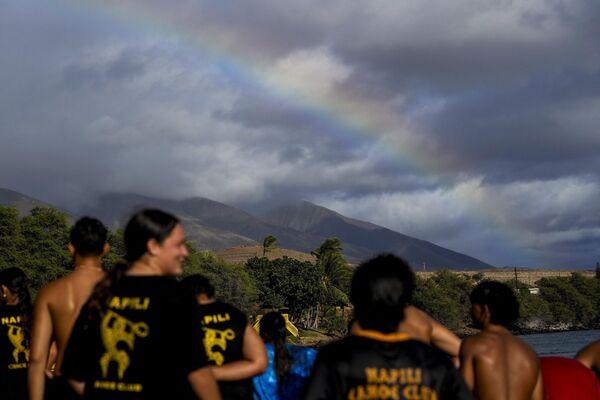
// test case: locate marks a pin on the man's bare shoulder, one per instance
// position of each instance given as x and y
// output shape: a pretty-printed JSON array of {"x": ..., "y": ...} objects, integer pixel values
[
  {"x": 518, "y": 348},
  {"x": 75, "y": 281},
  {"x": 50, "y": 290},
  {"x": 487, "y": 343},
  {"x": 480, "y": 344},
  {"x": 477, "y": 341},
  {"x": 417, "y": 314}
]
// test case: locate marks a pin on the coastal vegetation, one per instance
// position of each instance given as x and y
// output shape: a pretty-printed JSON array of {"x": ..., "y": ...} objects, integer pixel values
[{"x": 315, "y": 292}]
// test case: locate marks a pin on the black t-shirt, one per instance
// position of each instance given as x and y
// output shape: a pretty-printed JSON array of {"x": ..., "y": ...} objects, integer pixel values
[
  {"x": 14, "y": 354},
  {"x": 143, "y": 347},
  {"x": 224, "y": 327},
  {"x": 371, "y": 365}
]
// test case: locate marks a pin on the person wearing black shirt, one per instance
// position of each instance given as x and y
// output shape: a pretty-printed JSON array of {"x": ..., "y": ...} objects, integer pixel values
[
  {"x": 233, "y": 347},
  {"x": 15, "y": 323},
  {"x": 376, "y": 362},
  {"x": 137, "y": 336}
]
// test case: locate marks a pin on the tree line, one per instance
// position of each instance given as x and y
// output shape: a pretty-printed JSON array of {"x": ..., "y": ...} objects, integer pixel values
[
  {"x": 562, "y": 303},
  {"x": 315, "y": 293}
]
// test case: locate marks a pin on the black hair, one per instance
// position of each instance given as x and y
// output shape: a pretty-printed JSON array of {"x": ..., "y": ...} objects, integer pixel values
[
  {"x": 500, "y": 299},
  {"x": 88, "y": 237},
  {"x": 142, "y": 227},
  {"x": 199, "y": 284},
  {"x": 380, "y": 289},
  {"x": 16, "y": 281},
  {"x": 273, "y": 330}
]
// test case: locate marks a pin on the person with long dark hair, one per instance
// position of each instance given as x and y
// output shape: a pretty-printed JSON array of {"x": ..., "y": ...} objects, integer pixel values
[
  {"x": 289, "y": 365},
  {"x": 139, "y": 335},
  {"x": 15, "y": 333}
]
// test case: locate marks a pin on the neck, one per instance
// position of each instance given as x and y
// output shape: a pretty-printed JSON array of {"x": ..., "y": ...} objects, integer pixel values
[
  {"x": 204, "y": 299},
  {"x": 88, "y": 263},
  {"x": 144, "y": 267},
  {"x": 489, "y": 327},
  {"x": 12, "y": 301}
]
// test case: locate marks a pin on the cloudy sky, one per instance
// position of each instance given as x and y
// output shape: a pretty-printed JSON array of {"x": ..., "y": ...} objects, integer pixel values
[{"x": 474, "y": 124}]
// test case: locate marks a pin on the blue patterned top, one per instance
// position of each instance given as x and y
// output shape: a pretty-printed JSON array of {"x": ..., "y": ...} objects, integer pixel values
[{"x": 265, "y": 385}]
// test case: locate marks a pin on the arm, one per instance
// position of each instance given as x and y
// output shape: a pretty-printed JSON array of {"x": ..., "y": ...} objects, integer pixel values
[
  {"x": 78, "y": 387},
  {"x": 40, "y": 343},
  {"x": 203, "y": 384},
  {"x": 52, "y": 357},
  {"x": 466, "y": 363},
  {"x": 588, "y": 356},
  {"x": 454, "y": 386},
  {"x": 445, "y": 340},
  {"x": 538, "y": 391},
  {"x": 254, "y": 362}
]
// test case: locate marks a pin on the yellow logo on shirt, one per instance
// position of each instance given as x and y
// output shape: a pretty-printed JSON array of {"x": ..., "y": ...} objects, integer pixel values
[
  {"x": 16, "y": 336},
  {"x": 217, "y": 338},
  {"x": 11, "y": 320},
  {"x": 116, "y": 329},
  {"x": 393, "y": 384},
  {"x": 129, "y": 303}
]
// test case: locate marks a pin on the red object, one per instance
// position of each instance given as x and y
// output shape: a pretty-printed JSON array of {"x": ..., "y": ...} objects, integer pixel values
[{"x": 566, "y": 378}]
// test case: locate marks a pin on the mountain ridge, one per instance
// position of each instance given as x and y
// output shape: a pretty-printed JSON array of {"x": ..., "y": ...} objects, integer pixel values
[
  {"x": 300, "y": 226},
  {"x": 24, "y": 203},
  {"x": 324, "y": 222}
]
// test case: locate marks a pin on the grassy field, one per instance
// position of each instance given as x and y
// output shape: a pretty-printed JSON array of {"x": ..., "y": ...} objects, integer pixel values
[
  {"x": 525, "y": 275},
  {"x": 239, "y": 255}
]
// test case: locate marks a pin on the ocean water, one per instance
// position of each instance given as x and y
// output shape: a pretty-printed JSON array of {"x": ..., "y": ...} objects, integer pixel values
[{"x": 563, "y": 344}]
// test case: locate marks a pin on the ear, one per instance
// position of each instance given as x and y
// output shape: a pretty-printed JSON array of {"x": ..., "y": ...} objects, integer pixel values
[
  {"x": 105, "y": 249},
  {"x": 153, "y": 246},
  {"x": 487, "y": 314},
  {"x": 71, "y": 249}
]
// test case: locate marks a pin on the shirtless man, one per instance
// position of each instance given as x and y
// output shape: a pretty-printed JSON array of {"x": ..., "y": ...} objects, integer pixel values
[
  {"x": 58, "y": 303},
  {"x": 495, "y": 364}
]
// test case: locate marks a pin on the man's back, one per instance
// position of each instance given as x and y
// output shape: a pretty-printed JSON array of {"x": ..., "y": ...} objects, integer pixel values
[
  {"x": 500, "y": 366},
  {"x": 56, "y": 309},
  {"x": 63, "y": 300},
  {"x": 58, "y": 304}
]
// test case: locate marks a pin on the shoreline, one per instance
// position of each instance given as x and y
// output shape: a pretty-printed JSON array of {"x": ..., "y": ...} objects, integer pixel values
[
  {"x": 552, "y": 329},
  {"x": 521, "y": 331}
]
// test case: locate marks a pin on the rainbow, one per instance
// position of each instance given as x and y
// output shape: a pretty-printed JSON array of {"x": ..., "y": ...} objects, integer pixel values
[{"x": 353, "y": 117}]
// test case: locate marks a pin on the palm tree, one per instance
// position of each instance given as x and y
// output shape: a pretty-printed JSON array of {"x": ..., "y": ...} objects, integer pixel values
[
  {"x": 336, "y": 274},
  {"x": 270, "y": 242}
]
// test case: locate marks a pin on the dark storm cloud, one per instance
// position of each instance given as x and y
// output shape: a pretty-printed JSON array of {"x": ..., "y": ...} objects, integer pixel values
[
  {"x": 495, "y": 106},
  {"x": 535, "y": 131},
  {"x": 127, "y": 65},
  {"x": 490, "y": 43}
]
